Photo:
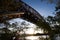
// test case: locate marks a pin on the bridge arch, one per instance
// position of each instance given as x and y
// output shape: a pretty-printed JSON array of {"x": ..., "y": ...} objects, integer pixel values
[{"x": 10, "y": 10}]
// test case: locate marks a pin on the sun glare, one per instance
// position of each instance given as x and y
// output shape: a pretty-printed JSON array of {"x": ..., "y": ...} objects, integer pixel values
[
  {"x": 30, "y": 31},
  {"x": 39, "y": 31}
]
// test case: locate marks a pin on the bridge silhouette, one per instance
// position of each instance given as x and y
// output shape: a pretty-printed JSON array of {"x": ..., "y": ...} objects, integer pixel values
[{"x": 13, "y": 9}]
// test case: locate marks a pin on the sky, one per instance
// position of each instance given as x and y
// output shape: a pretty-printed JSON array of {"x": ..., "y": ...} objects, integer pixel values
[
  {"x": 31, "y": 26},
  {"x": 45, "y": 9}
]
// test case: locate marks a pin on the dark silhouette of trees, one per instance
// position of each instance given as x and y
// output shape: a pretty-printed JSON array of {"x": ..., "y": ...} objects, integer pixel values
[
  {"x": 8, "y": 34},
  {"x": 9, "y": 5},
  {"x": 54, "y": 21}
]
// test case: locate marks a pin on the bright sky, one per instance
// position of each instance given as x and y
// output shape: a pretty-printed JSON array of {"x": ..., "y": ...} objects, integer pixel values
[
  {"x": 42, "y": 7},
  {"x": 30, "y": 30}
]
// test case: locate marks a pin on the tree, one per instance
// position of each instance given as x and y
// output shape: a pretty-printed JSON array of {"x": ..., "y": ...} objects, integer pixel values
[
  {"x": 9, "y": 5},
  {"x": 17, "y": 25},
  {"x": 54, "y": 21}
]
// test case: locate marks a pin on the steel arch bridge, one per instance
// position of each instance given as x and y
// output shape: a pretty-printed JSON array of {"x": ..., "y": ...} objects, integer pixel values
[{"x": 18, "y": 9}]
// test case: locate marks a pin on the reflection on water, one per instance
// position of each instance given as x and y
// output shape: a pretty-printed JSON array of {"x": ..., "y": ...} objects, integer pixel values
[{"x": 36, "y": 37}]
